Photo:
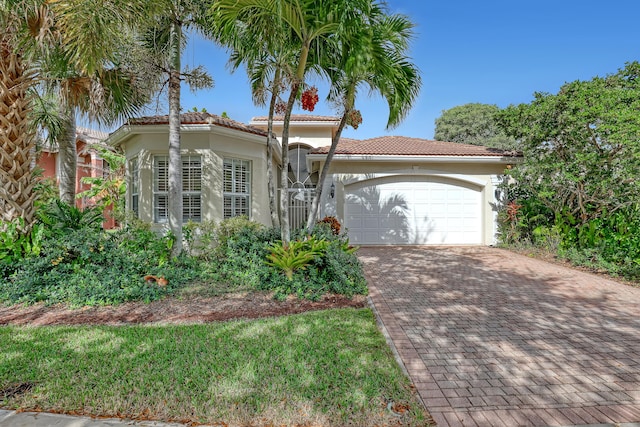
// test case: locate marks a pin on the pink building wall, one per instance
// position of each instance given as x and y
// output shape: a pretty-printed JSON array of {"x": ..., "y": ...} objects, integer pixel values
[{"x": 88, "y": 165}]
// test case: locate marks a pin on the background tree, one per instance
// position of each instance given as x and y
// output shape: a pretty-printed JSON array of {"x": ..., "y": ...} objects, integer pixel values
[
  {"x": 579, "y": 179},
  {"x": 373, "y": 57},
  {"x": 473, "y": 124}
]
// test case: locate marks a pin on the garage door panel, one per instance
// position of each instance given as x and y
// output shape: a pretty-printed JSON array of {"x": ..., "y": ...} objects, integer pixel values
[{"x": 412, "y": 210}]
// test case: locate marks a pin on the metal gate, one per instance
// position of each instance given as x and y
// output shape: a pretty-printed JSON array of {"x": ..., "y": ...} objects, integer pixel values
[{"x": 300, "y": 200}]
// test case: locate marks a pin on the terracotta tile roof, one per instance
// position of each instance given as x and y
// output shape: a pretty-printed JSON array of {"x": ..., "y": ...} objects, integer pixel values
[
  {"x": 85, "y": 133},
  {"x": 405, "y": 146},
  {"x": 299, "y": 118},
  {"x": 194, "y": 118}
]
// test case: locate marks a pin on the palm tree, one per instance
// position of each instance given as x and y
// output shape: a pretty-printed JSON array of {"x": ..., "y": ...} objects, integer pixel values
[
  {"x": 32, "y": 32},
  {"x": 372, "y": 57},
  {"x": 308, "y": 26},
  {"x": 111, "y": 94},
  {"x": 267, "y": 58},
  {"x": 165, "y": 40}
]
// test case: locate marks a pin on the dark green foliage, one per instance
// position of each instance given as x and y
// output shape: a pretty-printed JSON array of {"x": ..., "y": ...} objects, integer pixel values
[
  {"x": 337, "y": 270},
  {"x": 16, "y": 245},
  {"x": 473, "y": 124},
  {"x": 242, "y": 261},
  {"x": 87, "y": 266},
  {"x": 577, "y": 192},
  {"x": 61, "y": 218}
]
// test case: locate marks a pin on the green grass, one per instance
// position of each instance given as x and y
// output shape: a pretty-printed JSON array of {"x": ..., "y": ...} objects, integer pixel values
[{"x": 328, "y": 368}]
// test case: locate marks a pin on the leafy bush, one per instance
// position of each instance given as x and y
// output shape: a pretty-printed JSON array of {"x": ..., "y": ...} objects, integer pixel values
[
  {"x": 251, "y": 255},
  {"x": 333, "y": 223},
  {"x": 609, "y": 242},
  {"x": 16, "y": 245},
  {"x": 336, "y": 270},
  {"x": 61, "y": 218},
  {"x": 90, "y": 267}
]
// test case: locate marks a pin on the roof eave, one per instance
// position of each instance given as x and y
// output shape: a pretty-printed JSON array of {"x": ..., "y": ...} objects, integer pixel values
[
  {"x": 298, "y": 123},
  {"x": 418, "y": 158},
  {"x": 122, "y": 133}
]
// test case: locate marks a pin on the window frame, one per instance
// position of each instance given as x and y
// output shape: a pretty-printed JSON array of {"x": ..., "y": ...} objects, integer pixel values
[
  {"x": 231, "y": 209},
  {"x": 134, "y": 177},
  {"x": 161, "y": 189}
]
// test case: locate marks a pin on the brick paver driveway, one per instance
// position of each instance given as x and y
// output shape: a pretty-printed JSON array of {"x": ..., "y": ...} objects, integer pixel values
[{"x": 491, "y": 338}]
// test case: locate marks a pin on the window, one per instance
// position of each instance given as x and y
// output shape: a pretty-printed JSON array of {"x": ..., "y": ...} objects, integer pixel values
[
  {"x": 236, "y": 187},
  {"x": 134, "y": 174},
  {"x": 160, "y": 189},
  {"x": 191, "y": 188}
]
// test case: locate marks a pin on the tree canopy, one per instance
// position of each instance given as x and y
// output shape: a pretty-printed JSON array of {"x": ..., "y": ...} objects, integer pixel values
[
  {"x": 579, "y": 179},
  {"x": 473, "y": 124}
]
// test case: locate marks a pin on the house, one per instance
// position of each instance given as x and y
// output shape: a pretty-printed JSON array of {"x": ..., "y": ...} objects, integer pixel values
[
  {"x": 223, "y": 168},
  {"x": 89, "y": 164},
  {"x": 386, "y": 190}
]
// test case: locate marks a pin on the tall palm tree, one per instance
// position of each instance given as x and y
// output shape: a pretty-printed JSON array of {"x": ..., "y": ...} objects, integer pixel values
[
  {"x": 166, "y": 40},
  {"x": 17, "y": 137},
  {"x": 308, "y": 25},
  {"x": 371, "y": 57},
  {"x": 111, "y": 94},
  {"x": 267, "y": 56},
  {"x": 33, "y": 31}
]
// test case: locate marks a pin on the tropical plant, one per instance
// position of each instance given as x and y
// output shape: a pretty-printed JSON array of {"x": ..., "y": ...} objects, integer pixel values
[
  {"x": 296, "y": 255},
  {"x": 15, "y": 245},
  {"x": 267, "y": 57},
  {"x": 110, "y": 94},
  {"x": 108, "y": 191},
  {"x": 373, "y": 55},
  {"x": 34, "y": 33},
  {"x": 333, "y": 223},
  {"x": 62, "y": 218},
  {"x": 307, "y": 27}
]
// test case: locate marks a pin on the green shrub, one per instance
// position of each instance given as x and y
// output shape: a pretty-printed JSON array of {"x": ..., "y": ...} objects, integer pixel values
[
  {"x": 92, "y": 267},
  {"x": 61, "y": 218},
  {"x": 16, "y": 245}
]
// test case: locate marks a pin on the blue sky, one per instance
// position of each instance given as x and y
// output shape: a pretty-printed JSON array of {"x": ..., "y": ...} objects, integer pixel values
[{"x": 495, "y": 52}]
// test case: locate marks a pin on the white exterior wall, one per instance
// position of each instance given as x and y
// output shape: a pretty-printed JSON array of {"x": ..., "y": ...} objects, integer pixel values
[
  {"x": 481, "y": 176},
  {"x": 213, "y": 146}
]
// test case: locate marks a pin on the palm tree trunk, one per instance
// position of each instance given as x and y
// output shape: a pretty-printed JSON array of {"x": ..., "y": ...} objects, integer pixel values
[
  {"x": 175, "y": 161},
  {"x": 313, "y": 213},
  {"x": 17, "y": 141},
  {"x": 284, "y": 185},
  {"x": 67, "y": 155},
  {"x": 275, "y": 219},
  {"x": 285, "y": 233}
]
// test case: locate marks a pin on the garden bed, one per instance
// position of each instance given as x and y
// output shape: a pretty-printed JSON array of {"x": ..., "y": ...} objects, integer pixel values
[{"x": 172, "y": 310}]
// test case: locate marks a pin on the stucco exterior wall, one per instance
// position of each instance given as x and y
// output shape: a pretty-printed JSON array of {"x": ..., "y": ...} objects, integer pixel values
[
  {"x": 213, "y": 145},
  {"x": 484, "y": 177}
]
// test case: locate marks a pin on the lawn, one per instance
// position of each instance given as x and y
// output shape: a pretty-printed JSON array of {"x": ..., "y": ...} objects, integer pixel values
[{"x": 328, "y": 368}]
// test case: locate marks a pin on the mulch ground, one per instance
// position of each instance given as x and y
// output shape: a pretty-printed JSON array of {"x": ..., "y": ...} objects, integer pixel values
[{"x": 173, "y": 311}]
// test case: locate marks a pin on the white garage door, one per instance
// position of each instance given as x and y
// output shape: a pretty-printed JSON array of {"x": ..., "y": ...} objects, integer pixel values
[{"x": 412, "y": 210}]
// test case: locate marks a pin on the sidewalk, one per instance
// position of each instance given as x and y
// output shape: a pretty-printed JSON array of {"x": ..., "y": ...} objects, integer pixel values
[{"x": 43, "y": 419}]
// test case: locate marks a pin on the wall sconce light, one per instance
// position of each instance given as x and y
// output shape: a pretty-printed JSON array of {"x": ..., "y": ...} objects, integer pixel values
[{"x": 332, "y": 191}]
